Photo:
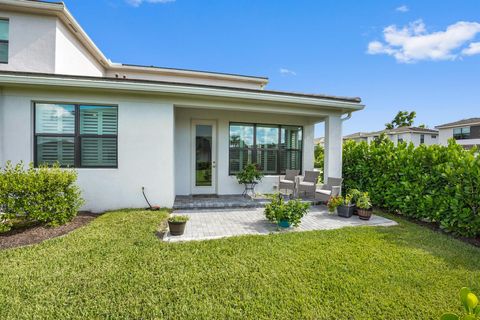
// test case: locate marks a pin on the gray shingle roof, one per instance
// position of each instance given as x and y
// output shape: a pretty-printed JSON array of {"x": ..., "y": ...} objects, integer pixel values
[{"x": 460, "y": 123}]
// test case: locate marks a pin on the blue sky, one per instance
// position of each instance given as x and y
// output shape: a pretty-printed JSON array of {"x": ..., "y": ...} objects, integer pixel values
[{"x": 395, "y": 55}]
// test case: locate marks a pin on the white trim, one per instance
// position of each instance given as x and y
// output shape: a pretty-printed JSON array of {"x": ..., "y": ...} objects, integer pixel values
[
  {"x": 458, "y": 125},
  {"x": 9, "y": 79}
]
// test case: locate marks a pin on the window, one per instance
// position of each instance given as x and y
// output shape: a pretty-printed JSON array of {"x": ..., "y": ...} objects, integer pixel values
[
  {"x": 400, "y": 140},
  {"x": 273, "y": 148},
  {"x": 434, "y": 136},
  {"x": 4, "y": 26},
  {"x": 422, "y": 139},
  {"x": 461, "y": 133},
  {"x": 83, "y": 136}
]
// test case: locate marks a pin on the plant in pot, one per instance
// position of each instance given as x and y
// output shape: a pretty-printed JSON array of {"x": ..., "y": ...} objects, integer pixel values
[
  {"x": 345, "y": 209},
  {"x": 176, "y": 225},
  {"x": 249, "y": 177},
  {"x": 364, "y": 206},
  {"x": 285, "y": 214},
  {"x": 334, "y": 203},
  {"x": 355, "y": 194}
]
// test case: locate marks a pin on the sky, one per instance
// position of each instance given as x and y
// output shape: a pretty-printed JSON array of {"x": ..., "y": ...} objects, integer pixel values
[{"x": 421, "y": 56}]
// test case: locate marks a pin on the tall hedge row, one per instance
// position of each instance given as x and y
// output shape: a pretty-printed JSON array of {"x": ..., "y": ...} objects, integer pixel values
[
  {"x": 433, "y": 183},
  {"x": 47, "y": 195}
]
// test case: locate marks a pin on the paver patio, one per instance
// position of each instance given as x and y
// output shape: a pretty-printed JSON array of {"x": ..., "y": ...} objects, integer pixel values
[{"x": 208, "y": 224}]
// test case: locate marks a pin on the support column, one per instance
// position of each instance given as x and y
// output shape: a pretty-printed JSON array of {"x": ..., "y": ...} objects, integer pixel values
[{"x": 333, "y": 147}]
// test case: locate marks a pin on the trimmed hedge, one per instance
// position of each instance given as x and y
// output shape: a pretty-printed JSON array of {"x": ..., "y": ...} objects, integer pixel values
[
  {"x": 47, "y": 195},
  {"x": 431, "y": 183}
]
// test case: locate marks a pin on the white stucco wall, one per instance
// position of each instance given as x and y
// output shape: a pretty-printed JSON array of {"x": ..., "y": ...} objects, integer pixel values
[
  {"x": 31, "y": 43},
  {"x": 444, "y": 135},
  {"x": 227, "y": 184},
  {"x": 145, "y": 147},
  {"x": 71, "y": 57}
]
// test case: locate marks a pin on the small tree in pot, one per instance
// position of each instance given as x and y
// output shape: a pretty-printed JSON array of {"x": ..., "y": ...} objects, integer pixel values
[
  {"x": 333, "y": 204},
  {"x": 355, "y": 194},
  {"x": 249, "y": 174},
  {"x": 176, "y": 225},
  {"x": 364, "y": 206}
]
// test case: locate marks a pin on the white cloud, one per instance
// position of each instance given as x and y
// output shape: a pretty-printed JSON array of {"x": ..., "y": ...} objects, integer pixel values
[
  {"x": 137, "y": 3},
  {"x": 287, "y": 72},
  {"x": 413, "y": 43},
  {"x": 473, "y": 49},
  {"x": 402, "y": 8}
]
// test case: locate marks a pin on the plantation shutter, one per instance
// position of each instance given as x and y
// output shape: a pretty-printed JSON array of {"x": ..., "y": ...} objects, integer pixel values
[
  {"x": 55, "y": 119},
  {"x": 98, "y": 130},
  {"x": 55, "y": 149}
]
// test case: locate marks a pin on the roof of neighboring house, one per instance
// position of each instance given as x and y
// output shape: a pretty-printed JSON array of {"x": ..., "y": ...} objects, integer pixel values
[
  {"x": 391, "y": 131},
  {"x": 459, "y": 123}
]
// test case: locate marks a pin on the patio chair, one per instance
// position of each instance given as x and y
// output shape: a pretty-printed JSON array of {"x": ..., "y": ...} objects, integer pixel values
[
  {"x": 330, "y": 189},
  {"x": 307, "y": 184},
  {"x": 287, "y": 182}
]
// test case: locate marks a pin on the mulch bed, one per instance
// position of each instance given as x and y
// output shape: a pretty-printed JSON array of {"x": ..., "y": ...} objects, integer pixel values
[
  {"x": 36, "y": 234},
  {"x": 435, "y": 227}
]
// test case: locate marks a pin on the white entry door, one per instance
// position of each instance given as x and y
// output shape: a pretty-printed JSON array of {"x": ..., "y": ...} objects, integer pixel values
[{"x": 204, "y": 157}]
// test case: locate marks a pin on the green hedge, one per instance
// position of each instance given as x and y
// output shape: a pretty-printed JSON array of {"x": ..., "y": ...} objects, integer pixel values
[
  {"x": 430, "y": 183},
  {"x": 45, "y": 195}
]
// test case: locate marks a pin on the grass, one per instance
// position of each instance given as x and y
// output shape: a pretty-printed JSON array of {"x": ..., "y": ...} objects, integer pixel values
[{"x": 117, "y": 268}]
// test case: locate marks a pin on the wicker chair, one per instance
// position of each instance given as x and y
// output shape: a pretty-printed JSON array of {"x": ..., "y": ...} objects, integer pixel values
[
  {"x": 287, "y": 182},
  {"x": 307, "y": 184},
  {"x": 330, "y": 189}
]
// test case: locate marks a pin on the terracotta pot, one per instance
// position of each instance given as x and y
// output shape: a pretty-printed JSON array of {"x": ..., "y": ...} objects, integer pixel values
[{"x": 364, "y": 214}]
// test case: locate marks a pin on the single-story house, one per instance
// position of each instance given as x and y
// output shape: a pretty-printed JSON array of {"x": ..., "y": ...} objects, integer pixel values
[
  {"x": 466, "y": 132},
  {"x": 415, "y": 135},
  {"x": 124, "y": 127}
]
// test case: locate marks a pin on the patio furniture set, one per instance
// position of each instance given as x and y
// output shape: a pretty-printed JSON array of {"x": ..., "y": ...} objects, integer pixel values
[{"x": 296, "y": 185}]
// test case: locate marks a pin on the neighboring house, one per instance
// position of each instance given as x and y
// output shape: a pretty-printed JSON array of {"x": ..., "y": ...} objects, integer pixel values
[
  {"x": 415, "y": 135},
  {"x": 124, "y": 127},
  {"x": 466, "y": 132}
]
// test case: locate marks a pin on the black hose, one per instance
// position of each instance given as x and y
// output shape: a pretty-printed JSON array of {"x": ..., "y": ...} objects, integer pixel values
[{"x": 143, "y": 191}]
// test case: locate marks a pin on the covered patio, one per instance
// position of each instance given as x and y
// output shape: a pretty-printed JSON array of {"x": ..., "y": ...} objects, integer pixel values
[{"x": 206, "y": 224}]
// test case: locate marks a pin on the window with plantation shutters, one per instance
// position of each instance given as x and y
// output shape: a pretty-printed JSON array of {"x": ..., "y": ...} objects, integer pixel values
[
  {"x": 273, "y": 148},
  {"x": 82, "y": 136}
]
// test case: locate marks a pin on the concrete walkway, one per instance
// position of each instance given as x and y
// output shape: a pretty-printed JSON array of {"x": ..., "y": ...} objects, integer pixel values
[{"x": 220, "y": 223}]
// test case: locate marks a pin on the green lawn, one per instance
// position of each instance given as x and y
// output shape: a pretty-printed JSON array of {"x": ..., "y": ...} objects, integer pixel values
[{"x": 117, "y": 268}]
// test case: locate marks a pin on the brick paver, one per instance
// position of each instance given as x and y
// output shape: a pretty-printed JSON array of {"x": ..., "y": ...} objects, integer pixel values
[{"x": 207, "y": 224}]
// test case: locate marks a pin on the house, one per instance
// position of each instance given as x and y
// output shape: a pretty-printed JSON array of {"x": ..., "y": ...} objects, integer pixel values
[
  {"x": 124, "y": 127},
  {"x": 415, "y": 135},
  {"x": 466, "y": 132}
]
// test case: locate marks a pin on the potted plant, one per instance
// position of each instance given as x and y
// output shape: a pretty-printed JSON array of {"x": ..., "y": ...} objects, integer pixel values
[
  {"x": 176, "y": 225},
  {"x": 354, "y": 193},
  {"x": 345, "y": 209},
  {"x": 285, "y": 214},
  {"x": 249, "y": 177},
  {"x": 333, "y": 203},
  {"x": 364, "y": 206}
]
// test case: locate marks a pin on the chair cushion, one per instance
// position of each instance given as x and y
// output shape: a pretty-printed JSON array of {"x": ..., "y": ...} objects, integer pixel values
[
  {"x": 287, "y": 182},
  {"x": 311, "y": 176},
  {"x": 307, "y": 184},
  {"x": 325, "y": 192}
]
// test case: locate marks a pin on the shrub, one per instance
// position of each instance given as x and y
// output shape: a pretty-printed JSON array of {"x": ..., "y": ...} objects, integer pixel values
[
  {"x": 434, "y": 183},
  {"x": 249, "y": 174},
  {"x": 45, "y": 194},
  {"x": 291, "y": 211},
  {"x": 470, "y": 304}
]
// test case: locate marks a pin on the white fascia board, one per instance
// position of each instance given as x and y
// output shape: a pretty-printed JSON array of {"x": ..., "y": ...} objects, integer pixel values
[{"x": 158, "y": 88}]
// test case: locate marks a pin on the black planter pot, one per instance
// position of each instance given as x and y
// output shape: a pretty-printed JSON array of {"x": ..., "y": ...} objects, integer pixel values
[
  {"x": 176, "y": 228},
  {"x": 345, "y": 211},
  {"x": 364, "y": 214}
]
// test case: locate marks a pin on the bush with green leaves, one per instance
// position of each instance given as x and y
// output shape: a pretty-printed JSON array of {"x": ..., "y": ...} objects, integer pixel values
[
  {"x": 470, "y": 306},
  {"x": 434, "y": 183},
  {"x": 249, "y": 174},
  {"x": 46, "y": 194},
  {"x": 334, "y": 202},
  {"x": 280, "y": 210},
  {"x": 178, "y": 219}
]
